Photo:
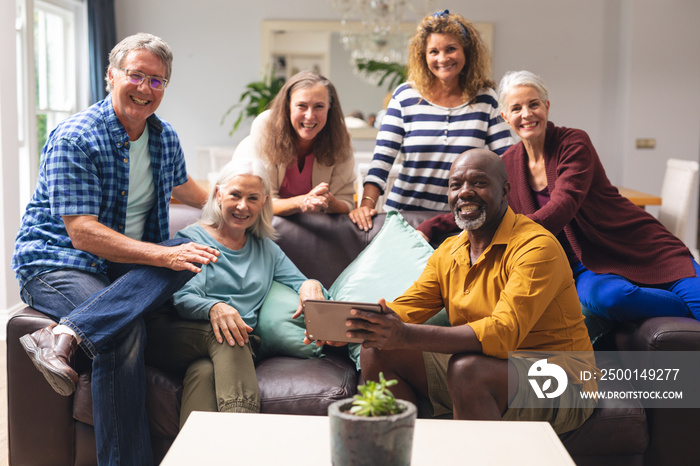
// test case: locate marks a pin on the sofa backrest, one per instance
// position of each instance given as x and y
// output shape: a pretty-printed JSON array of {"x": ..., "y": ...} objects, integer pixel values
[
  {"x": 181, "y": 216},
  {"x": 321, "y": 246}
]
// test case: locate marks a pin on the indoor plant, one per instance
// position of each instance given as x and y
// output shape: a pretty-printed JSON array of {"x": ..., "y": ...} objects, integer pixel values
[
  {"x": 396, "y": 73},
  {"x": 255, "y": 99},
  {"x": 372, "y": 428}
]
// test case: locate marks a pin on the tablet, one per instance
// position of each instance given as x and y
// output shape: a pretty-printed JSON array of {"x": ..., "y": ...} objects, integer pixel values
[{"x": 325, "y": 320}]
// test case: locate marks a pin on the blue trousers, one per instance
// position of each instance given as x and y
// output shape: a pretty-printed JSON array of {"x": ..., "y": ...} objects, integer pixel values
[
  {"x": 106, "y": 311},
  {"x": 615, "y": 298}
]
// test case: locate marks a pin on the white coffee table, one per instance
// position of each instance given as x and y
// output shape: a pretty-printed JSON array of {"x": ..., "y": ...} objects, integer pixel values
[{"x": 274, "y": 439}]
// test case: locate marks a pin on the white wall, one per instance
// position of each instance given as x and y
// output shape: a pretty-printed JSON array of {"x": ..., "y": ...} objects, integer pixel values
[
  {"x": 662, "y": 78},
  {"x": 353, "y": 92},
  {"x": 9, "y": 162}
]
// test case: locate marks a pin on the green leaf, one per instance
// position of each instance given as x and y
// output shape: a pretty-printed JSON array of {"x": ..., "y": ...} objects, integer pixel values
[
  {"x": 255, "y": 99},
  {"x": 395, "y": 72},
  {"x": 374, "y": 399}
]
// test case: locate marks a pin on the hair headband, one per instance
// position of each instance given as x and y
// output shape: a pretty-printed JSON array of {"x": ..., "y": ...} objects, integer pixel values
[{"x": 445, "y": 14}]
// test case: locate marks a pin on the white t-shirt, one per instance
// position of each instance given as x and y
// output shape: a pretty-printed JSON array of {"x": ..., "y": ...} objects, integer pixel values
[{"x": 141, "y": 192}]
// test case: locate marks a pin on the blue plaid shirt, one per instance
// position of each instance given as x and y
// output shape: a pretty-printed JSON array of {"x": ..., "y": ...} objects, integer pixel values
[{"x": 84, "y": 170}]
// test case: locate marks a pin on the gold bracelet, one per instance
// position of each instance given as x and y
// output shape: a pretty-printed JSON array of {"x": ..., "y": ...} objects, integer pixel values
[{"x": 374, "y": 201}]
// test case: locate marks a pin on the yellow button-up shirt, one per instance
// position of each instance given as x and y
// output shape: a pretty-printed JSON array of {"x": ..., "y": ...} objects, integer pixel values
[{"x": 519, "y": 295}]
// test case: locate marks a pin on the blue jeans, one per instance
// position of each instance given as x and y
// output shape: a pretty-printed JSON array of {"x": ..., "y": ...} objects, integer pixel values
[
  {"x": 615, "y": 298},
  {"x": 106, "y": 311}
]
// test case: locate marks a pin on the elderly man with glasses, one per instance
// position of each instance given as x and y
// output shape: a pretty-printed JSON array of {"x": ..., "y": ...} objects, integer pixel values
[{"x": 93, "y": 251}]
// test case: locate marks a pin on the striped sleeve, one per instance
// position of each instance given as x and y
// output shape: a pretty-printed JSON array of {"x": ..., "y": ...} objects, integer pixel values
[
  {"x": 389, "y": 141},
  {"x": 427, "y": 138}
]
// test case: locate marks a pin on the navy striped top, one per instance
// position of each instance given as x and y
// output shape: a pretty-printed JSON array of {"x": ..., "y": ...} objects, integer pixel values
[{"x": 426, "y": 138}]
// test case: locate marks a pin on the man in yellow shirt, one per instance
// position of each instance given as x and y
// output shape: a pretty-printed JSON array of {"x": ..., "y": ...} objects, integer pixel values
[{"x": 506, "y": 285}]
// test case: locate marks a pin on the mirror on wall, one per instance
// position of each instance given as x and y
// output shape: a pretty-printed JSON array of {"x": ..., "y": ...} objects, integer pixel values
[{"x": 292, "y": 46}]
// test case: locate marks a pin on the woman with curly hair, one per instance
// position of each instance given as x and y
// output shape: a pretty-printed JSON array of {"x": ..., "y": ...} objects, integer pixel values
[
  {"x": 447, "y": 106},
  {"x": 306, "y": 147}
]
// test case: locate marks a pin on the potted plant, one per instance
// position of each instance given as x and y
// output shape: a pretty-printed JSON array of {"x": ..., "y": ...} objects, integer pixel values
[
  {"x": 255, "y": 99},
  {"x": 372, "y": 428},
  {"x": 395, "y": 73}
]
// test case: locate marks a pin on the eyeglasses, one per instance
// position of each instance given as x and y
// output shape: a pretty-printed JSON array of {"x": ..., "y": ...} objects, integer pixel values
[{"x": 137, "y": 77}]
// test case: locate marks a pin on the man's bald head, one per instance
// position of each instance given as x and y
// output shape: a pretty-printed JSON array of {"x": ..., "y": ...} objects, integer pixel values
[{"x": 489, "y": 161}]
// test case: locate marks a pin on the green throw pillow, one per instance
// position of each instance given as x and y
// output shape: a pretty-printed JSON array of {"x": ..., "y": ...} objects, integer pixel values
[
  {"x": 280, "y": 334},
  {"x": 389, "y": 264}
]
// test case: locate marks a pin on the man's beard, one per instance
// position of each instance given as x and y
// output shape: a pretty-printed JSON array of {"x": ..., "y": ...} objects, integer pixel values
[{"x": 470, "y": 225}]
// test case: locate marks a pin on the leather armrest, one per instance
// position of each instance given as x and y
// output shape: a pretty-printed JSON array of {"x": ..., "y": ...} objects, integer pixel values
[
  {"x": 39, "y": 420},
  {"x": 671, "y": 430},
  {"x": 660, "y": 334}
]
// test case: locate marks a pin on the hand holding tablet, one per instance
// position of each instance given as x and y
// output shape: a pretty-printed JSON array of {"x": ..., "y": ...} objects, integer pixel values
[{"x": 325, "y": 320}]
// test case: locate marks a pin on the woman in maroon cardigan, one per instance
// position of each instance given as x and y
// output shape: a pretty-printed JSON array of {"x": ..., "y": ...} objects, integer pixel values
[{"x": 626, "y": 264}]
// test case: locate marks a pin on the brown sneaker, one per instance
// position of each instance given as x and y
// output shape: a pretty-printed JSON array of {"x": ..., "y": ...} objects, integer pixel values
[{"x": 51, "y": 354}]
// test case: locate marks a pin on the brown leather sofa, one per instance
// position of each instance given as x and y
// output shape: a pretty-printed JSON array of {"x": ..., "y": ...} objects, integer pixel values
[{"x": 48, "y": 429}]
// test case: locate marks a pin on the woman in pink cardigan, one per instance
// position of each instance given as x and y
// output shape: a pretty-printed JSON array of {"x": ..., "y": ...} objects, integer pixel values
[
  {"x": 626, "y": 264},
  {"x": 306, "y": 148}
]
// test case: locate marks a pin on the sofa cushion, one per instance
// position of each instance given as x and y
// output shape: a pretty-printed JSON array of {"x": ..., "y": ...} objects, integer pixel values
[
  {"x": 321, "y": 246},
  {"x": 389, "y": 264},
  {"x": 306, "y": 386},
  {"x": 287, "y": 386},
  {"x": 281, "y": 335}
]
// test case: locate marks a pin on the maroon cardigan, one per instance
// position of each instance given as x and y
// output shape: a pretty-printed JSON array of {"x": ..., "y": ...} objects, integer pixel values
[{"x": 607, "y": 232}]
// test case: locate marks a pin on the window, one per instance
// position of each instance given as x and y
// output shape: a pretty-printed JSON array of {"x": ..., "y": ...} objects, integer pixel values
[
  {"x": 52, "y": 75},
  {"x": 54, "y": 62}
]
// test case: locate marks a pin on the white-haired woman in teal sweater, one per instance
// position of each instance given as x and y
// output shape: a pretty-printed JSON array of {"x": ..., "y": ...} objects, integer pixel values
[{"x": 221, "y": 305}]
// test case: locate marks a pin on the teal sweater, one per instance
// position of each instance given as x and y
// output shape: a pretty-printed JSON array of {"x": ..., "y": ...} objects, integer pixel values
[{"x": 240, "y": 278}]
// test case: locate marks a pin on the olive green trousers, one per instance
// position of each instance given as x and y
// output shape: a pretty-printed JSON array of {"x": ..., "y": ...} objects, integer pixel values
[{"x": 217, "y": 377}]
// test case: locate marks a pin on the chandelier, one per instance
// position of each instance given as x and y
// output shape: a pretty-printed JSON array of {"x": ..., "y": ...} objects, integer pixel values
[{"x": 372, "y": 30}]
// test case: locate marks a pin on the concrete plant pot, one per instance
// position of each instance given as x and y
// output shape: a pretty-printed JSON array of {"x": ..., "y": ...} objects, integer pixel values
[{"x": 360, "y": 440}]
